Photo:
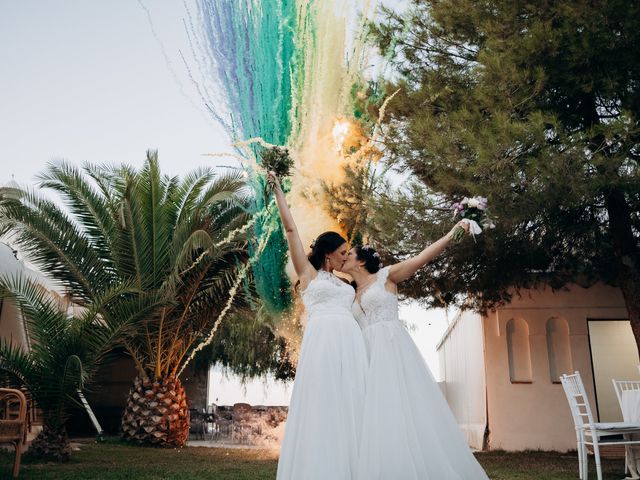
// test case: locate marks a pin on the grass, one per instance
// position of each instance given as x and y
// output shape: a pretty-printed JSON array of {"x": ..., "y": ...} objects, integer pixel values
[
  {"x": 536, "y": 465},
  {"x": 118, "y": 461},
  {"x": 114, "y": 460}
]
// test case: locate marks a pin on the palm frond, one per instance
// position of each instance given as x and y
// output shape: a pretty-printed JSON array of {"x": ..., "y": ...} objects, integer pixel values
[
  {"x": 17, "y": 364},
  {"x": 55, "y": 243},
  {"x": 88, "y": 207}
]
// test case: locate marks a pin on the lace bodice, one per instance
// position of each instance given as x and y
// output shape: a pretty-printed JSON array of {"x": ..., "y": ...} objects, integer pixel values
[
  {"x": 376, "y": 304},
  {"x": 327, "y": 294}
]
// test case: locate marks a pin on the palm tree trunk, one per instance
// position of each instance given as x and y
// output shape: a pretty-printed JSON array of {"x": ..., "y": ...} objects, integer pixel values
[
  {"x": 52, "y": 443},
  {"x": 156, "y": 413}
]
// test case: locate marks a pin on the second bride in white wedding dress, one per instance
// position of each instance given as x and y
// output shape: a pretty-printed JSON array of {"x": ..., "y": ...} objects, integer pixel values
[
  {"x": 324, "y": 423},
  {"x": 409, "y": 432}
]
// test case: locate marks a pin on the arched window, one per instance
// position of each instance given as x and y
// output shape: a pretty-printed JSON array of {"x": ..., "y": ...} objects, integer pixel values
[
  {"x": 519, "y": 351},
  {"x": 558, "y": 348}
]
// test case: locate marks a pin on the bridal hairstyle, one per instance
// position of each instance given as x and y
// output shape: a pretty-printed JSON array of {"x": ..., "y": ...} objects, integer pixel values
[
  {"x": 326, "y": 243},
  {"x": 369, "y": 256}
]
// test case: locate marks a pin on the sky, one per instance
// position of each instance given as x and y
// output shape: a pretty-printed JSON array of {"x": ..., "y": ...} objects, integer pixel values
[
  {"x": 88, "y": 81},
  {"x": 103, "y": 82}
]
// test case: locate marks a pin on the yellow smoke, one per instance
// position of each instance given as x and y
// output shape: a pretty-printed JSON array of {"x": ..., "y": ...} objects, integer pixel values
[{"x": 326, "y": 136}]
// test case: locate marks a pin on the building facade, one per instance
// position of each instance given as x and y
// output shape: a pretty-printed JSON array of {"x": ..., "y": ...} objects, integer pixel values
[{"x": 500, "y": 372}]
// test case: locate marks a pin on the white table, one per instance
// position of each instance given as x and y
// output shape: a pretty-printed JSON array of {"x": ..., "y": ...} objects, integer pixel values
[{"x": 630, "y": 405}]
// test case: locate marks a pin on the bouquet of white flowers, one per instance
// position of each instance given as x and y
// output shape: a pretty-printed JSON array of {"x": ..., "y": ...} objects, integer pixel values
[{"x": 474, "y": 211}]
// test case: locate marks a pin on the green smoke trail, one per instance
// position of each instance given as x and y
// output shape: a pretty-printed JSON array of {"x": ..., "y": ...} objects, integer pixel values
[{"x": 249, "y": 47}]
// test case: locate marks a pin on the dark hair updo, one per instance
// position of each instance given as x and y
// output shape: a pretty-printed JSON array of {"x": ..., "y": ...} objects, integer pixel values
[
  {"x": 370, "y": 257},
  {"x": 326, "y": 243}
]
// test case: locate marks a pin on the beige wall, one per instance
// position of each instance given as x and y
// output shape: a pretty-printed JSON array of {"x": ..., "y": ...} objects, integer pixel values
[
  {"x": 11, "y": 324},
  {"x": 11, "y": 327},
  {"x": 536, "y": 415}
]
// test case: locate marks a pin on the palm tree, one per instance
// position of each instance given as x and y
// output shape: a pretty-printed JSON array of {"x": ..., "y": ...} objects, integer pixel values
[
  {"x": 178, "y": 243},
  {"x": 63, "y": 356}
]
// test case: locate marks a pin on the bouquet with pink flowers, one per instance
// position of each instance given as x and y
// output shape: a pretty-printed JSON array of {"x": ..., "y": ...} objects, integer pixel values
[{"x": 474, "y": 211}]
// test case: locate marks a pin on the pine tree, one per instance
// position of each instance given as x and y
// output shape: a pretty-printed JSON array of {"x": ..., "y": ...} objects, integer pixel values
[{"x": 535, "y": 105}]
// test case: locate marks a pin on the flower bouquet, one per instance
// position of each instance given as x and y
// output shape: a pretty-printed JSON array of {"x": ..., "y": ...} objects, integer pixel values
[
  {"x": 277, "y": 160},
  {"x": 474, "y": 211}
]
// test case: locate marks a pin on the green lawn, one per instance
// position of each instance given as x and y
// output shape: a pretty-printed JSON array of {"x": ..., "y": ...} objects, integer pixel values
[
  {"x": 544, "y": 466},
  {"x": 113, "y": 460}
]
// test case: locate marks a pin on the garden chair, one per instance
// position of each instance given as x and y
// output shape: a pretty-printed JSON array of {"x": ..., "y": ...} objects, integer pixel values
[
  {"x": 211, "y": 425},
  {"x": 242, "y": 418},
  {"x": 13, "y": 422},
  {"x": 223, "y": 423},
  {"x": 628, "y": 393},
  {"x": 590, "y": 432},
  {"x": 197, "y": 423}
]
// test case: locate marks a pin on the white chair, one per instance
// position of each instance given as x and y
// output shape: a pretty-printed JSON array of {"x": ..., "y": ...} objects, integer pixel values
[
  {"x": 589, "y": 432},
  {"x": 622, "y": 386},
  {"x": 628, "y": 393}
]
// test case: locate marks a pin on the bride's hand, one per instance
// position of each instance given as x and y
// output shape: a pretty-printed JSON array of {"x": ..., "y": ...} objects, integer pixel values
[
  {"x": 272, "y": 179},
  {"x": 462, "y": 224}
]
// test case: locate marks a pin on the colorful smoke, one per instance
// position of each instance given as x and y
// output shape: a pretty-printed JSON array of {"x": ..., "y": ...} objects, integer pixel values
[{"x": 285, "y": 72}]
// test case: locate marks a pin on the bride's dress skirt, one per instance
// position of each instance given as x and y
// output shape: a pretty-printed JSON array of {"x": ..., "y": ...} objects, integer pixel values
[
  {"x": 322, "y": 434},
  {"x": 409, "y": 432}
]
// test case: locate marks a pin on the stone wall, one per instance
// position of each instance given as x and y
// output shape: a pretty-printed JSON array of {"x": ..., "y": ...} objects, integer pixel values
[{"x": 241, "y": 423}]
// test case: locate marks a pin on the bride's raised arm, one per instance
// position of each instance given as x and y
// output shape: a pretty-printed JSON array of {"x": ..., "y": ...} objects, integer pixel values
[
  {"x": 301, "y": 264},
  {"x": 401, "y": 271}
]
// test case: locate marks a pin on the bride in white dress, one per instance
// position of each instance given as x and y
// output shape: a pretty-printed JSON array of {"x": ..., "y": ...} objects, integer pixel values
[
  {"x": 324, "y": 423},
  {"x": 409, "y": 432}
]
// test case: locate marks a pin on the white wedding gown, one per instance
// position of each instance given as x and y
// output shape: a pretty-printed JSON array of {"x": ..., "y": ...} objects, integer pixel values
[
  {"x": 409, "y": 432},
  {"x": 322, "y": 434}
]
